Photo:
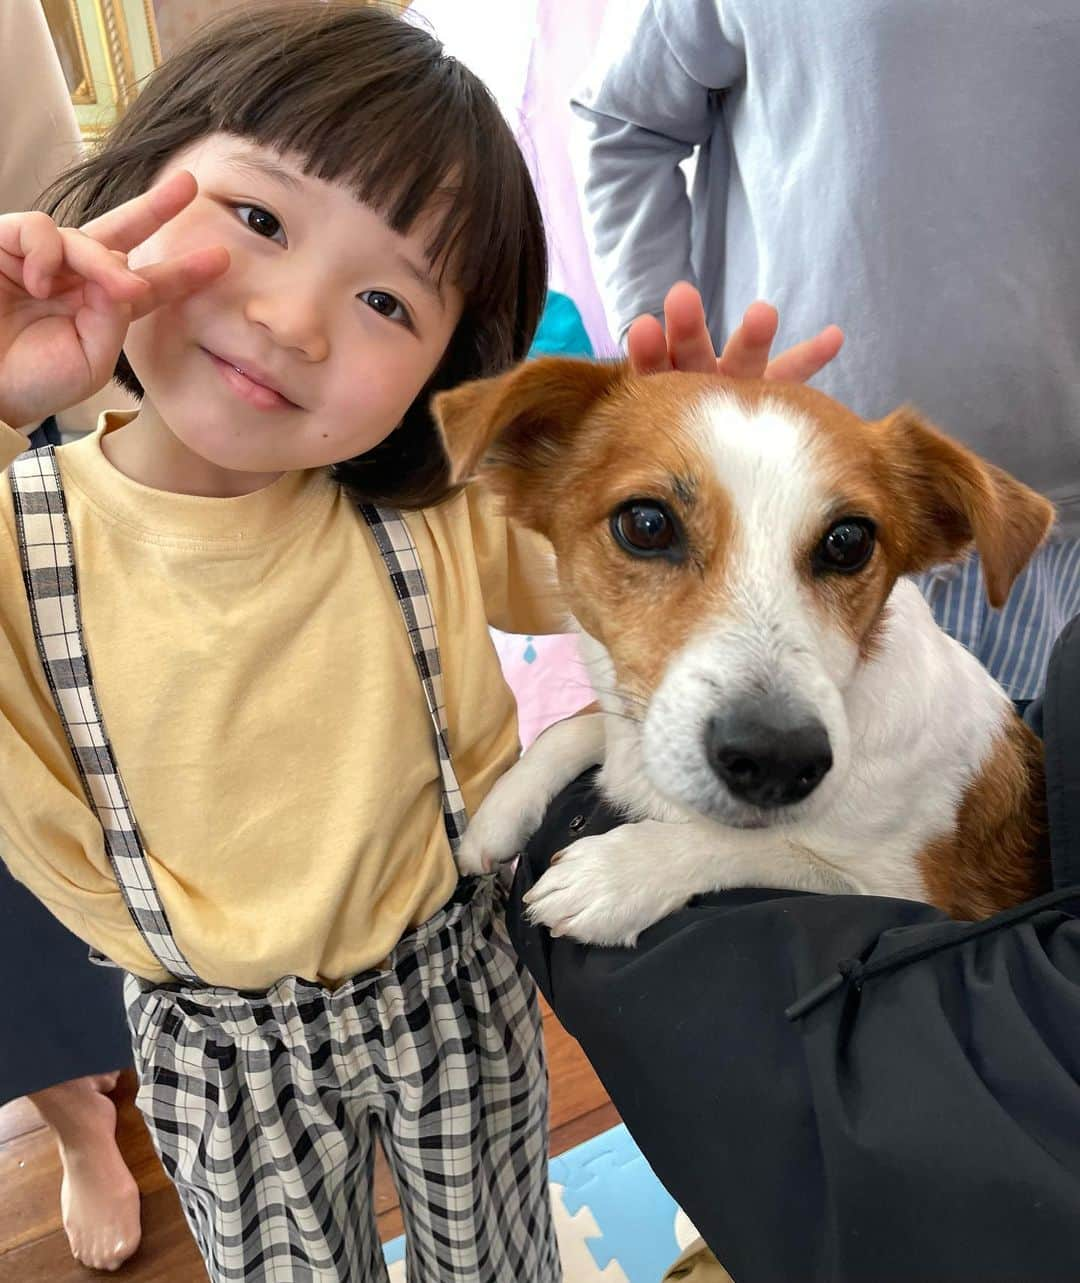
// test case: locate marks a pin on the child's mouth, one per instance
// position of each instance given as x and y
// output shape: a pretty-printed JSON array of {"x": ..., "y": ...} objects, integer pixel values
[{"x": 248, "y": 387}]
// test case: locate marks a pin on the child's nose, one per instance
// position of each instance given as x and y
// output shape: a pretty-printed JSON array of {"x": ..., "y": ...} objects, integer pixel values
[{"x": 294, "y": 316}]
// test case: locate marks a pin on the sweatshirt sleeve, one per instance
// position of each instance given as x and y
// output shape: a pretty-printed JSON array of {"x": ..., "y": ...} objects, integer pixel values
[{"x": 651, "y": 98}]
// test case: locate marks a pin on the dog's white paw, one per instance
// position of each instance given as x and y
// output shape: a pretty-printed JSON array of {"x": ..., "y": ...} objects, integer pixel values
[
  {"x": 499, "y": 830},
  {"x": 593, "y": 893}
]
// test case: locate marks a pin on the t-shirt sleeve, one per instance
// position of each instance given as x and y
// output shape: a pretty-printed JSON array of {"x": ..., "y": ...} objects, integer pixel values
[
  {"x": 12, "y": 444},
  {"x": 516, "y": 569}
]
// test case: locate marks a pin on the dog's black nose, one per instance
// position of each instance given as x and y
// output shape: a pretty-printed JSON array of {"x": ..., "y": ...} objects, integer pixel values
[{"x": 768, "y": 754}]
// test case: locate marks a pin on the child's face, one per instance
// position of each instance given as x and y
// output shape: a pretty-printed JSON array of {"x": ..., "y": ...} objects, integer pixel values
[{"x": 314, "y": 343}]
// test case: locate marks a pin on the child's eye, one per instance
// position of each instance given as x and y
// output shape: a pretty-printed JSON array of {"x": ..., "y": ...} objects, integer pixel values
[
  {"x": 386, "y": 305},
  {"x": 262, "y": 222}
]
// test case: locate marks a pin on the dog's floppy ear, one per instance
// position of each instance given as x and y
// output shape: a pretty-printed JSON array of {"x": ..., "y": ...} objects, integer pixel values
[
  {"x": 507, "y": 428},
  {"x": 950, "y": 499}
]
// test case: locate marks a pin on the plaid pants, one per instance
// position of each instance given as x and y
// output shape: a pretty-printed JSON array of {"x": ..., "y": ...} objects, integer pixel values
[{"x": 265, "y": 1108}]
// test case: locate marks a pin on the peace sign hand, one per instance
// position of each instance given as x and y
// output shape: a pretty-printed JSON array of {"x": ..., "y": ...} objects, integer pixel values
[{"x": 67, "y": 297}]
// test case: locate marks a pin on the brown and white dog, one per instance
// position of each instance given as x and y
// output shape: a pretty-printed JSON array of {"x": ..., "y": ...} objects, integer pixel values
[{"x": 779, "y": 707}]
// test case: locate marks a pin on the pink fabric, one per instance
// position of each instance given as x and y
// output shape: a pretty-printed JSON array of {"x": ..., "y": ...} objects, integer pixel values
[
  {"x": 547, "y": 677},
  {"x": 562, "y": 45},
  {"x": 532, "y": 54}
]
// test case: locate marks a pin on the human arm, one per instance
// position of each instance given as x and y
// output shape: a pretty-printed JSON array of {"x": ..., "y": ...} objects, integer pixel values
[
  {"x": 650, "y": 99},
  {"x": 41, "y": 134},
  {"x": 66, "y": 297}
]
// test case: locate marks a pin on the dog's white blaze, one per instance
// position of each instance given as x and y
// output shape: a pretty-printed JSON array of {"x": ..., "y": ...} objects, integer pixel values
[{"x": 770, "y": 639}]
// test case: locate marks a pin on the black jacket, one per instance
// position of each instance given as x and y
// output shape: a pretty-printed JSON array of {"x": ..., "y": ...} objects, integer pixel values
[{"x": 849, "y": 1088}]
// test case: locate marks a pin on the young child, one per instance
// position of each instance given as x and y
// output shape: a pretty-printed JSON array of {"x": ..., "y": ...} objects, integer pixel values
[{"x": 308, "y": 221}]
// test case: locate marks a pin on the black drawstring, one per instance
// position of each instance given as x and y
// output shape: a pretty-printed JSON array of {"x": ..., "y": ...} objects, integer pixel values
[{"x": 854, "y": 972}]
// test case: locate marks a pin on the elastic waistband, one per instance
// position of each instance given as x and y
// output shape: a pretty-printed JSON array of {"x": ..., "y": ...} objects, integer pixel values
[{"x": 433, "y": 949}]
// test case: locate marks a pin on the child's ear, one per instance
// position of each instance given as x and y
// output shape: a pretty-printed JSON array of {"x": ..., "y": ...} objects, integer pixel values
[
  {"x": 951, "y": 499},
  {"x": 508, "y": 428}
]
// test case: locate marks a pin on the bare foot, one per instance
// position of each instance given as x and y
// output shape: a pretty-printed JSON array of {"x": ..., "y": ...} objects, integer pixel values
[{"x": 99, "y": 1199}]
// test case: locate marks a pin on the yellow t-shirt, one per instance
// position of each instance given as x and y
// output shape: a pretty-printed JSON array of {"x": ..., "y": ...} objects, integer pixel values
[{"x": 257, "y": 685}]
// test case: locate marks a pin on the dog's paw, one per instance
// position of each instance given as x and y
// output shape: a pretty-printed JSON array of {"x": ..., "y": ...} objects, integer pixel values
[
  {"x": 499, "y": 830},
  {"x": 593, "y": 894},
  {"x": 470, "y": 856}
]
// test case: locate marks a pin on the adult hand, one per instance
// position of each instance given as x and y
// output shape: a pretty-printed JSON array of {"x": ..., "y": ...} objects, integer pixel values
[{"x": 683, "y": 343}]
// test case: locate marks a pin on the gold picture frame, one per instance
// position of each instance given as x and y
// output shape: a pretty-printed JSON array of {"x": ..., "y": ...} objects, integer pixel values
[{"x": 106, "y": 47}]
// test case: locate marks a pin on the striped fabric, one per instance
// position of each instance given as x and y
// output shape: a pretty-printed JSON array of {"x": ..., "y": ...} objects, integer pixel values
[{"x": 1014, "y": 643}]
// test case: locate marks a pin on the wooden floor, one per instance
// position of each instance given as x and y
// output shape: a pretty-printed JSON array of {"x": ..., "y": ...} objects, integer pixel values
[{"x": 33, "y": 1248}]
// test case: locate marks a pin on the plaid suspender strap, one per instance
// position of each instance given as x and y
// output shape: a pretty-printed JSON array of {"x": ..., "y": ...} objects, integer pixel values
[
  {"x": 407, "y": 576},
  {"x": 52, "y": 590}
]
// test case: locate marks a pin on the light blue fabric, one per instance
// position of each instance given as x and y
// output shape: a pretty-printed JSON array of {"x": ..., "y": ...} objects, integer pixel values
[{"x": 561, "y": 331}]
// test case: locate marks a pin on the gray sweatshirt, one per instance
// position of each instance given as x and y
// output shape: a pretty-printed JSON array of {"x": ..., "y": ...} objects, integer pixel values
[{"x": 908, "y": 169}]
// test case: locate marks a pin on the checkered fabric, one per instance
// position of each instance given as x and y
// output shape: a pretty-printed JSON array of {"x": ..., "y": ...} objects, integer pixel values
[
  {"x": 52, "y": 590},
  {"x": 407, "y": 576},
  {"x": 265, "y": 1110}
]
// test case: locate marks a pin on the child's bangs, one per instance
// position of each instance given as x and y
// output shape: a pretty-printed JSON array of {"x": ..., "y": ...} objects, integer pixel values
[{"x": 426, "y": 148}]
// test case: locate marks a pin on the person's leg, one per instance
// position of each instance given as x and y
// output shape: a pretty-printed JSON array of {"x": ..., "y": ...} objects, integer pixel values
[
  {"x": 99, "y": 1199},
  {"x": 466, "y": 1116},
  {"x": 244, "y": 1104}
]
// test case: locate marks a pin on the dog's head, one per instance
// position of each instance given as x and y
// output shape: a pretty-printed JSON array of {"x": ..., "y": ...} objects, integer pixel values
[{"x": 732, "y": 546}]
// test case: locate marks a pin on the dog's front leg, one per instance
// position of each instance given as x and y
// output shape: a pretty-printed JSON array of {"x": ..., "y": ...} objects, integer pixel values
[
  {"x": 512, "y": 811},
  {"x": 607, "y": 889}
]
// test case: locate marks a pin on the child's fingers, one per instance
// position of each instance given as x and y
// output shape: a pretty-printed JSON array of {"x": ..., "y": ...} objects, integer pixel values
[
  {"x": 40, "y": 257},
  {"x": 746, "y": 353},
  {"x": 179, "y": 277},
  {"x": 31, "y": 251},
  {"x": 802, "y": 362},
  {"x": 130, "y": 224},
  {"x": 93, "y": 262},
  {"x": 101, "y": 324},
  {"x": 688, "y": 337},
  {"x": 646, "y": 346}
]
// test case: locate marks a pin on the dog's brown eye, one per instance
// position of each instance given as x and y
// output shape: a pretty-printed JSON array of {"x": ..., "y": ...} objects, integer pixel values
[
  {"x": 846, "y": 547},
  {"x": 645, "y": 528}
]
